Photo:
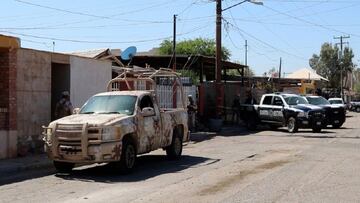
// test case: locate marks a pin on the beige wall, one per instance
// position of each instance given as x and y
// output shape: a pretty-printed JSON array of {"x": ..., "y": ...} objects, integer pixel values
[
  {"x": 33, "y": 95},
  {"x": 87, "y": 77}
]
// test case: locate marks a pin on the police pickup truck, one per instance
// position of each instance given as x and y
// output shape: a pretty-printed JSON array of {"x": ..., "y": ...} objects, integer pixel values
[
  {"x": 335, "y": 114},
  {"x": 280, "y": 109}
]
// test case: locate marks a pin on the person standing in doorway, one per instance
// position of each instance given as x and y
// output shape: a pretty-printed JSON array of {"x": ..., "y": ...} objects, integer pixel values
[
  {"x": 249, "y": 98},
  {"x": 63, "y": 107},
  {"x": 191, "y": 107},
  {"x": 236, "y": 109}
]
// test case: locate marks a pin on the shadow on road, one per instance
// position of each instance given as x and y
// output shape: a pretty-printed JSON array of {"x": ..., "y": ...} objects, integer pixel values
[{"x": 148, "y": 166}]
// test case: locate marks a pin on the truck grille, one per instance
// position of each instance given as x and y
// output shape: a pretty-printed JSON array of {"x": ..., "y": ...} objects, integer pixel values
[{"x": 71, "y": 139}]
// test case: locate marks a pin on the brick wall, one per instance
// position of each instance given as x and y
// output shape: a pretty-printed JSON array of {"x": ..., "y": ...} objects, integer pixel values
[
  {"x": 8, "y": 89},
  {"x": 8, "y": 103}
]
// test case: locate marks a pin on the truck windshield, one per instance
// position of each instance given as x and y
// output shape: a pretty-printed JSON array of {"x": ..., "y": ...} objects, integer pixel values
[
  {"x": 336, "y": 101},
  {"x": 110, "y": 104},
  {"x": 317, "y": 100},
  {"x": 295, "y": 100}
]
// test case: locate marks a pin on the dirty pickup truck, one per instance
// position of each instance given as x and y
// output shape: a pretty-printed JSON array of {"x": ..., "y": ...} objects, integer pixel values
[
  {"x": 279, "y": 109},
  {"x": 115, "y": 126}
]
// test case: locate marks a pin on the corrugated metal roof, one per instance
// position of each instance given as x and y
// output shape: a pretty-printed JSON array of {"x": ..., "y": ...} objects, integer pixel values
[{"x": 307, "y": 74}]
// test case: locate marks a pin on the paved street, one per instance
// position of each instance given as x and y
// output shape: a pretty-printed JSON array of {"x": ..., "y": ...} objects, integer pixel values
[{"x": 266, "y": 166}]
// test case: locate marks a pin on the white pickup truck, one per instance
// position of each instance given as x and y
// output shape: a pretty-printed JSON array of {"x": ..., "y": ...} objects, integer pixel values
[{"x": 116, "y": 126}]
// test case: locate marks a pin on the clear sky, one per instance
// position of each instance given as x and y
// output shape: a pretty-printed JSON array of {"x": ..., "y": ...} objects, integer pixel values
[{"x": 291, "y": 29}]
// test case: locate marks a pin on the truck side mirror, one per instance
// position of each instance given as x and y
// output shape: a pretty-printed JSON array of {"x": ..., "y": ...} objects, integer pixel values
[
  {"x": 76, "y": 111},
  {"x": 147, "y": 111}
]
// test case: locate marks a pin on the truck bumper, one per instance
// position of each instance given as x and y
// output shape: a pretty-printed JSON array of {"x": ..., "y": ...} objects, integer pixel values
[
  {"x": 81, "y": 144},
  {"x": 311, "y": 123},
  {"x": 106, "y": 152}
]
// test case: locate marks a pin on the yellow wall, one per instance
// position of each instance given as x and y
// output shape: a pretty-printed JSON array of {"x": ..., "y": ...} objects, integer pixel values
[
  {"x": 9, "y": 42},
  {"x": 307, "y": 88}
]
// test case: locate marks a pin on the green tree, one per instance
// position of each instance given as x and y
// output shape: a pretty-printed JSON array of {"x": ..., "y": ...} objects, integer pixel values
[
  {"x": 198, "y": 46},
  {"x": 327, "y": 63},
  {"x": 248, "y": 72}
]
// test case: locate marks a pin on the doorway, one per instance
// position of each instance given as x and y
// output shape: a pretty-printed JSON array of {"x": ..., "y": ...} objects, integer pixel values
[{"x": 60, "y": 81}]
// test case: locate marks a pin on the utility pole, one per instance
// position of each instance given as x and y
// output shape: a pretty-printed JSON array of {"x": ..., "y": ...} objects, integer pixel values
[
  {"x": 280, "y": 72},
  {"x": 218, "y": 64},
  {"x": 341, "y": 64},
  {"x": 174, "y": 44},
  {"x": 246, "y": 62}
]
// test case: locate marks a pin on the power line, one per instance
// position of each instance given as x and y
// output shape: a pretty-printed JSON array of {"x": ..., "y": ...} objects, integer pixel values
[
  {"x": 103, "y": 42},
  {"x": 309, "y": 22},
  {"x": 60, "y": 10},
  {"x": 265, "y": 43}
]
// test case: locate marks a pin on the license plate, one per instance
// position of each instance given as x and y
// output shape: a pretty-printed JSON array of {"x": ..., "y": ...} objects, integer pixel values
[
  {"x": 336, "y": 121},
  {"x": 318, "y": 123}
]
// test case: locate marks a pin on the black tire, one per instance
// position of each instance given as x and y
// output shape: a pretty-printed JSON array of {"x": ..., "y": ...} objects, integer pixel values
[
  {"x": 128, "y": 157},
  {"x": 316, "y": 130},
  {"x": 292, "y": 125},
  {"x": 251, "y": 123},
  {"x": 174, "y": 151},
  {"x": 274, "y": 127},
  {"x": 63, "y": 167},
  {"x": 357, "y": 109},
  {"x": 337, "y": 126}
]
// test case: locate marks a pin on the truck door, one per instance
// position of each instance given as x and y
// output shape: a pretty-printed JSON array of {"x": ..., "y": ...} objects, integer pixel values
[
  {"x": 277, "y": 107},
  {"x": 149, "y": 124},
  {"x": 265, "y": 108}
]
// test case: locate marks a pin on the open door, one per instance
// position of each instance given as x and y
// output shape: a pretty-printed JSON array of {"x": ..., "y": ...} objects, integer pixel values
[{"x": 60, "y": 81}]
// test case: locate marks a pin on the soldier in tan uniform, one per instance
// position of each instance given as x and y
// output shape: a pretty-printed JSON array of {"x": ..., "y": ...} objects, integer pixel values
[{"x": 63, "y": 107}]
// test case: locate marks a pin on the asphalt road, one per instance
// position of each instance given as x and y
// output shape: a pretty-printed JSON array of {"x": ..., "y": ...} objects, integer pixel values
[{"x": 264, "y": 166}]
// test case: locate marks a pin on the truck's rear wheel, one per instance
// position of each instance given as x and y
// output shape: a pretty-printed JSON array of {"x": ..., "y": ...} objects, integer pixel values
[
  {"x": 337, "y": 126},
  {"x": 291, "y": 125},
  {"x": 175, "y": 149},
  {"x": 128, "y": 157},
  {"x": 358, "y": 109},
  {"x": 316, "y": 130},
  {"x": 63, "y": 167}
]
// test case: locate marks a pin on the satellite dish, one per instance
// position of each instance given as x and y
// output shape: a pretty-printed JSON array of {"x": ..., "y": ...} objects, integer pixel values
[{"x": 128, "y": 53}]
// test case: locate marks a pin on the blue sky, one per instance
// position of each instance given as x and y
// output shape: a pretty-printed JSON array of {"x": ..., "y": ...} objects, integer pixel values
[{"x": 291, "y": 29}]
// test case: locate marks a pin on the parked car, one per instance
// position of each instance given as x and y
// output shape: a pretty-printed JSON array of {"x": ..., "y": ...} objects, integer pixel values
[
  {"x": 116, "y": 126},
  {"x": 335, "y": 114},
  {"x": 290, "y": 110},
  {"x": 355, "y": 106}
]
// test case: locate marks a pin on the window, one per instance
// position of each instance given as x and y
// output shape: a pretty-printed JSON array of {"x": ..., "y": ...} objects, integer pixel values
[
  {"x": 278, "y": 101},
  {"x": 146, "y": 102},
  {"x": 267, "y": 100},
  {"x": 110, "y": 104}
]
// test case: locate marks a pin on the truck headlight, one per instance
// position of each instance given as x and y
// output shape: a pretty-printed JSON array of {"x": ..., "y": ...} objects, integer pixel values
[
  {"x": 303, "y": 114},
  {"x": 108, "y": 134}
]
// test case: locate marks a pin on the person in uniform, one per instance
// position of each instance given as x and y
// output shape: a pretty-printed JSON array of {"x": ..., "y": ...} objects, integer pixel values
[
  {"x": 191, "y": 107},
  {"x": 236, "y": 109},
  {"x": 249, "y": 98},
  {"x": 63, "y": 107}
]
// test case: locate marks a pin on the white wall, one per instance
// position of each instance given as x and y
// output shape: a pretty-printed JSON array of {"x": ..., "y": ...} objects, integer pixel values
[{"x": 87, "y": 77}]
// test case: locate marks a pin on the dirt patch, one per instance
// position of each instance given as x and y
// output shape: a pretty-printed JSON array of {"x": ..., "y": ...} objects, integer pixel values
[{"x": 229, "y": 181}]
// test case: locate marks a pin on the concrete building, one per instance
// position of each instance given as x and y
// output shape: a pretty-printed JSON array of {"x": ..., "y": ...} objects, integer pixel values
[{"x": 31, "y": 82}]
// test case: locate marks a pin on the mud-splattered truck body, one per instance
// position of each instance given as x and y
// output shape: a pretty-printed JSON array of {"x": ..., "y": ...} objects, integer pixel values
[{"x": 115, "y": 126}]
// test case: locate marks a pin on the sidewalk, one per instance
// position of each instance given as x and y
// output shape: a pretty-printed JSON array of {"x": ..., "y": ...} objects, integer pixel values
[{"x": 21, "y": 164}]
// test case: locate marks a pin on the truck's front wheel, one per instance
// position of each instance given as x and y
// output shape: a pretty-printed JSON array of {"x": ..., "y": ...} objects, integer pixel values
[
  {"x": 291, "y": 125},
  {"x": 63, "y": 167},
  {"x": 128, "y": 157},
  {"x": 175, "y": 149}
]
